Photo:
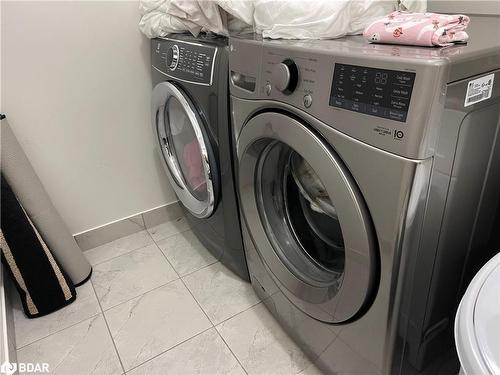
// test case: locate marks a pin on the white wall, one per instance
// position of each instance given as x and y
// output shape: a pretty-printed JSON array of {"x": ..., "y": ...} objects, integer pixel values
[{"x": 76, "y": 88}]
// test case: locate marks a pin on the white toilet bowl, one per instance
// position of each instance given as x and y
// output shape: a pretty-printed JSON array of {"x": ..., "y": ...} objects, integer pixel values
[{"x": 477, "y": 323}]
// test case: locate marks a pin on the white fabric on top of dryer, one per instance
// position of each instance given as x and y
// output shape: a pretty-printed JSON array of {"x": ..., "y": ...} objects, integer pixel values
[
  {"x": 238, "y": 9},
  {"x": 239, "y": 14},
  {"x": 321, "y": 19},
  {"x": 161, "y": 17},
  {"x": 285, "y": 19}
]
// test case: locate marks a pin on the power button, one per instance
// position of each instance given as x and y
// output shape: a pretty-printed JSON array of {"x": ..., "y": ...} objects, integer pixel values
[{"x": 308, "y": 100}]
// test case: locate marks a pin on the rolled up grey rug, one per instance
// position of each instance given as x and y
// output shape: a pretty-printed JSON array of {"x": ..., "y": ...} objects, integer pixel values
[{"x": 31, "y": 194}]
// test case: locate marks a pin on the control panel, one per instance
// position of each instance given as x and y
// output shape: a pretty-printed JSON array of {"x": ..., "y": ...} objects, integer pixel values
[
  {"x": 376, "y": 92},
  {"x": 306, "y": 81},
  {"x": 384, "y": 95},
  {"x": 190, "y": 62}
]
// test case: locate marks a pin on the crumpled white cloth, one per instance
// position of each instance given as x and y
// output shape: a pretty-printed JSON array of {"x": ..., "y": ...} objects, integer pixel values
[
  {"x": 161, "y": 17},
  {"x": 318, "y": 19},
  {"x": 286, "y": 19}
]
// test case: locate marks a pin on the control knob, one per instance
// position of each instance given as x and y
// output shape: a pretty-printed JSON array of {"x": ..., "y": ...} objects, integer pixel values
[
  {"x": 173, "y": 57},
  {"x": 285, "y": 76}
]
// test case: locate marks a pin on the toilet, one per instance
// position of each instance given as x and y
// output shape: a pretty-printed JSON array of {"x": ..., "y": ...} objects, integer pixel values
[{"x": 477, "y": 323}]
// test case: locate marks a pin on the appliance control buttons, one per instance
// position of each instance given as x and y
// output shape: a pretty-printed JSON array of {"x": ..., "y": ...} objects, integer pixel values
[
  {"x": 308, "y": 100},
  {"x": 285, "y": 76},
  {"x": 173, "y": 57},
  {"x": 268, "y": 88}
]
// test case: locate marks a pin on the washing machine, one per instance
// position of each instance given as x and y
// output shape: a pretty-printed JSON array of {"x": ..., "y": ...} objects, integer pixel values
[
  {"x": 368, "y": 179},
  {"x": 190, "y": 118}
]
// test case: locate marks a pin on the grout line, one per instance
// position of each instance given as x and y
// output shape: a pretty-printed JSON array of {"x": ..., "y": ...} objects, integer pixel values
[
  {"x": 130, "y": 251},
  {"x": 144, "y": 222},
  {"x": 178, "y": 278},
  {"x": 115, "y": 240},
  {"x": 59, "y": 330},
  {"x": 150, "y": 290},
  {"x": 199, "y": 305},
  {"x": 189, "y": 291},
  {"x": 199, "y": 269},
  {"x": 109, "y": 330},
  {"x": 185, "y": 286},
  {"x": 173, "y": 347},
  {"x": 190, "y": 272},
  {"x": 117, "y": 256},
  {"x": 140, "y": 295},
  {"x": 213, "y": 326},
  {"x": 231, "y": 350},
  {"x": 170, "y": 235},
  {"x": 235, "y": 315},
  {"x": 210, "y": 320}
]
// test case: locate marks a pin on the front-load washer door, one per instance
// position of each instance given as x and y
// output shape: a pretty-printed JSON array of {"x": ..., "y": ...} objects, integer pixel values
[
  {"x": 307, "y": 217},
  {"x": 185, "y": 149}
]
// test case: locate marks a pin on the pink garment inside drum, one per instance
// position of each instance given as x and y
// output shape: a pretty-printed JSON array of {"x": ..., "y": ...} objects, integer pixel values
[
  {"x": 418, "y": 29},
  {"x": 192, "y": 160}
]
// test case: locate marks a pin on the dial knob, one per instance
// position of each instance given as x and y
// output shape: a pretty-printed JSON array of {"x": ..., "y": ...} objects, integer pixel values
[
  {"x": 173, "y": 57},
  {"x": 285, "y": 76}
]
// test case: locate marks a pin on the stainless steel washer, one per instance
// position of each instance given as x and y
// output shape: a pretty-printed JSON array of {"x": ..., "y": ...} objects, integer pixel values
[{"x": 368, "y": 179}]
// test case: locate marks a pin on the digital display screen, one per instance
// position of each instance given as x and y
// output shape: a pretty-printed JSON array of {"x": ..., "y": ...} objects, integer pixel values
[{"x": 376, "y": 92}]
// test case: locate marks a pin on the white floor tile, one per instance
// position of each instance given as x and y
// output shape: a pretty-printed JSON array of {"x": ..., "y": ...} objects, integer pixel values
[
  {"x": 118, "y": 247},
  {"x": 205, "y": 354},
  {"x": 220, "y": 292},
  {"x": 85, "y": 348},
  {"x": 341, "y": 359},
  {"x": 165, "y": 230},
  {"x": 261, "y": 345},
  {"x": 154, "y": 322},
  {"x": 29, "y": 330},
  {"x": 185, "y": 252},
  {"x": 131, "y": 275}
]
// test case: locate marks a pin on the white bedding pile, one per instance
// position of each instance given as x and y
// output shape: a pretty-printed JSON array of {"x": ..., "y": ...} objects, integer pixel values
[{"x": 286, "y": 19}]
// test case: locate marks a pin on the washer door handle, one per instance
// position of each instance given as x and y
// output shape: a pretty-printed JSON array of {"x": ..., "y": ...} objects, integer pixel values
[
  {"x": 198, "y": 207},
  {"x": 170, "y": 157}
]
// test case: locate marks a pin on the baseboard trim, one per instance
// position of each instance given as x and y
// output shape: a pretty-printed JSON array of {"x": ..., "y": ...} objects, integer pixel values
[{"x": 126, "y": 226}]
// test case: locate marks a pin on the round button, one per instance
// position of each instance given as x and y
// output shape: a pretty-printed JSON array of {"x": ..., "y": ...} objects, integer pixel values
[
  {"x": 308, "y": 100},
  {"x": 285, "y": 76},
  {"x": 173, "y": 57},
  {"x": 268, "y": 88}
]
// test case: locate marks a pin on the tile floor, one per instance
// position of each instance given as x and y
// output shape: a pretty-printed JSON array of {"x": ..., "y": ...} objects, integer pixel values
[{"x": 160, "y": 303}]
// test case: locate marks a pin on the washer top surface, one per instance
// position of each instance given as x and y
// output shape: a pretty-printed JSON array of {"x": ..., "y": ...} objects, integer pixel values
[
  {"x": 371, "y": 92},
  {"x": 481, "y": 53},
  {"x": 477, "y": 325}
]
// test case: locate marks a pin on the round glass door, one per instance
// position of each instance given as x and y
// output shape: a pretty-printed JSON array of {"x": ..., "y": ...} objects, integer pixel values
[
  {"x": 186, "y": 152},
  {"x": 306, "y": 217},
  {"x": 299, "y": 216},
  {"x": 185, "y": 147}
]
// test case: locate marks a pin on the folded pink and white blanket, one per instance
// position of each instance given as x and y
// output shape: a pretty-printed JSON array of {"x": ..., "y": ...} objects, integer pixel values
[{"x": 418, "y": 29}]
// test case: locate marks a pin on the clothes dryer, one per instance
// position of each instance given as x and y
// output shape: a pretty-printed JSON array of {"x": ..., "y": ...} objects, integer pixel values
[{"x": 190, "y": 118}]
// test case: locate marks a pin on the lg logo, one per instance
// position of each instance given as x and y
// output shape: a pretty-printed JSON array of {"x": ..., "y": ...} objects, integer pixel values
[{"x": 398, "y": 134}]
